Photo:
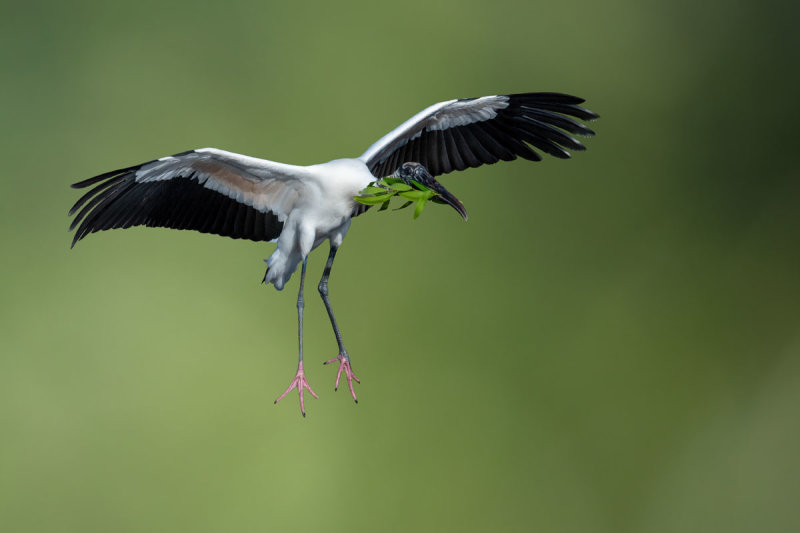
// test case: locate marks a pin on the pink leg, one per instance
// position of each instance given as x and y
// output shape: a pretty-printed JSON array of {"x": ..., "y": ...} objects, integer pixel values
[
  {"x": 300, "y": 382},
  {"x": 344, "y": 364}
]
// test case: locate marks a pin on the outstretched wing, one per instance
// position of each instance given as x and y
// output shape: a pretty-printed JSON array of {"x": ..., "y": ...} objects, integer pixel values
[
  {"x": 471, "y": 132},
  {"x": 207, "y": 190}
]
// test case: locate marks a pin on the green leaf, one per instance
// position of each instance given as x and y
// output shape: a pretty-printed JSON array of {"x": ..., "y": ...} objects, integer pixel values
[
  {"x": 399, "y": 187},
  {"x": 372, "y": 190},
  {"x": 413, "y": 195},
  {"x": 422, "y": 187},
  {"x": 373, "y": 200},
  {"x": 381, "y": 191},
  {"x": 419, "y": 207}
]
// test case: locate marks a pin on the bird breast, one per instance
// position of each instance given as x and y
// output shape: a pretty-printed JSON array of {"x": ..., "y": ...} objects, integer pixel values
[{"x": 337, "y": 182}]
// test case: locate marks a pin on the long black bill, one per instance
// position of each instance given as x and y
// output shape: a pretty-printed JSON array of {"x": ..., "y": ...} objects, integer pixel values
[
  {"x": 446, "y": 198},
  {"x": 421, "y": 175}
]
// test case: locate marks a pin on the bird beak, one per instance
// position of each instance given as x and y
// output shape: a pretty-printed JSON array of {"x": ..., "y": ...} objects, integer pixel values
[
  {"x": 446, "y": 198},
  {"x": 443, "y": 195}
]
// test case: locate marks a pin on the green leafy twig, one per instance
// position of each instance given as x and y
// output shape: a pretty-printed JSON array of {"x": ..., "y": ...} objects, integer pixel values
[{"x": 382, "y": 191}]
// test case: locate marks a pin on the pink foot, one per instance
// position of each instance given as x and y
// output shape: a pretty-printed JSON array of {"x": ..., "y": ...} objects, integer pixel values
[
  {"x": 344, "y": 364},
  {"x": 300, "y": 382}
]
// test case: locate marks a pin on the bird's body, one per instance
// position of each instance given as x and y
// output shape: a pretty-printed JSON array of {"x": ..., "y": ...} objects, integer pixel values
[
  {"x": 300, "y": 207},
  {"x": 324, "y": 212}
]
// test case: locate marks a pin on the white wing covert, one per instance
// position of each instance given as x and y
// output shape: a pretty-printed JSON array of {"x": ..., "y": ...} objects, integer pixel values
[
  {"x": 471, "y": 132},
  {"x": 207, "y": 190}
]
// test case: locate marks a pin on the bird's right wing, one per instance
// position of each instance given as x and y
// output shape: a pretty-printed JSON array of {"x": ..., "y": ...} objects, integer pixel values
[{"x": 207, "y": 190}]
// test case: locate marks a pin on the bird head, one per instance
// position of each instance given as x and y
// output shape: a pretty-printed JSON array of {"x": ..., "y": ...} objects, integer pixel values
[{"x": 411, "y": 171}]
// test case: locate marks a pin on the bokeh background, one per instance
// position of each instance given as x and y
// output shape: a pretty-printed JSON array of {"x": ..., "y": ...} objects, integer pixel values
[{"x": 610, "y": 344}]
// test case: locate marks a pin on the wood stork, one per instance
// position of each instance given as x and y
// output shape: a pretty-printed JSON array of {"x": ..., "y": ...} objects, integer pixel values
[{"x": 299, "y": 207}]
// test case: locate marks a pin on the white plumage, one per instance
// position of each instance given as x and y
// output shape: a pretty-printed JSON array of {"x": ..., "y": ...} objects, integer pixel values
[
  {"x": 233, "y": 195},
  {"x": 323, "y": 211}
]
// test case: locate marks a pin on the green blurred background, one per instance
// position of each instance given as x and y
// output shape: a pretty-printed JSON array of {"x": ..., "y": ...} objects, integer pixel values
[{"x": 610, "y": 344}]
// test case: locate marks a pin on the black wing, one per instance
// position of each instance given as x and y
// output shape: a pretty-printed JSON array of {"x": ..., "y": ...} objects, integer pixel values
[
  {"x": 471, "y": 132},
  {"x": 206, "y": 190}
]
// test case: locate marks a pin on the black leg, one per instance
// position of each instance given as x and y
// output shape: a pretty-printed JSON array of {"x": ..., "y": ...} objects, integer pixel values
[
  {"x": 301, "y": 303},
  {"x": 343, "y": 357},
  {"x": 299, "y": 382},
  {"x": 323, "y": 291}
]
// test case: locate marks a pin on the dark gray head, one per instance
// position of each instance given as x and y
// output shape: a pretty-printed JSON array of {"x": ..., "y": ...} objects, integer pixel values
[{"x": 415, "y": 171}]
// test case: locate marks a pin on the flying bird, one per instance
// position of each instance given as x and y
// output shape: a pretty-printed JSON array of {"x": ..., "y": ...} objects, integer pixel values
[{"x": 299, "y": 207}]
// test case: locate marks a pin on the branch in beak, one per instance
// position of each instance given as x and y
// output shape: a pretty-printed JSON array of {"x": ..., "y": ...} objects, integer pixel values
[{"x": 409, "y": 172}]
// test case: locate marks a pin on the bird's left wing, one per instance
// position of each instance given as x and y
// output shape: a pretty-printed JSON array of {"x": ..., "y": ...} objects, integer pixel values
[
  {"x": 470, "y": 132},
  {"x": 207, "y": 190}
]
